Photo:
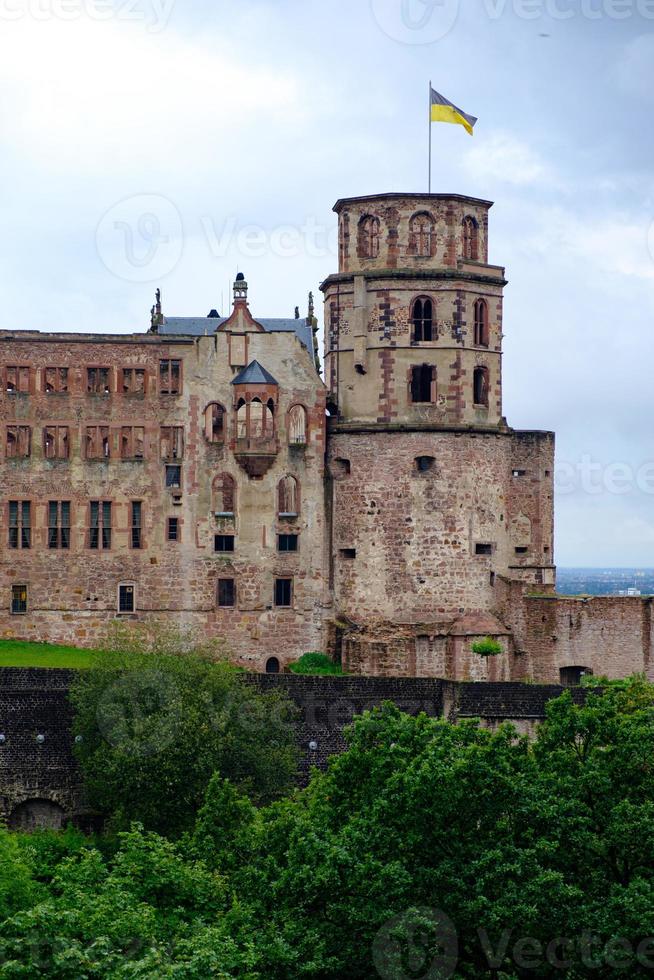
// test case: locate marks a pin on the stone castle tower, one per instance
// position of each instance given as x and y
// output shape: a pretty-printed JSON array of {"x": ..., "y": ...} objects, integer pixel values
[{"x": 438, "y": 507}]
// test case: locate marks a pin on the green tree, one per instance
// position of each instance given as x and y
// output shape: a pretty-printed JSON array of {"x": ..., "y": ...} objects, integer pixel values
[{"x": 154, "y": 728}]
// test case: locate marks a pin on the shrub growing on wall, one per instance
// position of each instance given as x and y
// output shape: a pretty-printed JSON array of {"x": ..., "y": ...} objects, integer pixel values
[{"x": 487, "y": 647}]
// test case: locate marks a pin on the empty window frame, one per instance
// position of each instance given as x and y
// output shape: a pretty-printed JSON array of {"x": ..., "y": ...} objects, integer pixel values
[
  {"x": 287, "y": 542},
  {"x": 20, "y": 524},
  {"x": 283, "y": 592},
  {"x": 126, "y": 599},
  {"x": 172, "y": 442},
  {"x": 223, "y": 543},
  {"x": 17, "y": 380},
  {"x": 423, "y": 384},
  {"x": 421, "y": 235},
  {"x": 480, "y": 385},
  {"x": 481, "y": 323},
  {"x": 133, "y": 381},
  {"x": 19, "y": 441},
  {"x": 288, "y": 497},
  {"x": 100, "y": 525},
  {"x": 56, "y": 442},
  {"x": 224, "y": 495},
  {"x": 214, "y": 422},
  {"x": 98, "y": 443},
  {"x": 422, "y": 320},
  {"x": 483, "y": 548},
  {"x": 226, "y": 593},
  {"x": 369, "y": 237},
  {"x": 18, "y": 600},
  {"x": 170, "y": 377},
  {"x": 470, "y": 238},
  {"x": 98, "y": 380},
  {"x": 132, "y": 441},
  {"x": 136, "y": 524},
  {"x": 173, "y": 529},
  {"x": 55, "y": 380},
  {"x": 59, "y": 525},
  {"x": 297, "y": 426}
]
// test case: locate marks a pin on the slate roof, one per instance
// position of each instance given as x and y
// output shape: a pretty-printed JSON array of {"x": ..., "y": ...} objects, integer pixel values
[
  {"x": 254, "y": 374},
  {"x": 198, "y": 326}
]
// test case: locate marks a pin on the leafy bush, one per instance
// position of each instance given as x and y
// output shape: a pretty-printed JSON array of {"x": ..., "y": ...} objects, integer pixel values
[
  {"x": 156, "y": 727},
  {"x": 487, "y": 647},
  {"x": 315, "y": 663}
]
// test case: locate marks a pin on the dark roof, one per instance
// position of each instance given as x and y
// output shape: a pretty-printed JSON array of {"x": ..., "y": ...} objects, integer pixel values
[
  {"x": 199, "y": 326},
  {"x": 254, "y": 374},
  {"x": 416, "y": 197}
]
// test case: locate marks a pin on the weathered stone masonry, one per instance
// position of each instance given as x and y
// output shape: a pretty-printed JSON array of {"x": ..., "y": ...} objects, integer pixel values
[{"x": 196, "y": 479}]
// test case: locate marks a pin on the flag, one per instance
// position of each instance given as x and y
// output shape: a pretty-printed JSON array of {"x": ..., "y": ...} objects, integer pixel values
[{"x": 442, "y": 110}]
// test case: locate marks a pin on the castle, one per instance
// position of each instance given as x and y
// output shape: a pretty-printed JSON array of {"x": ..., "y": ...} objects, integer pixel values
[{"x": 202, "y": 473}]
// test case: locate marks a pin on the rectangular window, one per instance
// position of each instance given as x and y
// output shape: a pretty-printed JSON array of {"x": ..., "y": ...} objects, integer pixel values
[
  {"x": 224, "y": 542},
  {"x": 226, "y": 593},
  {"x": 483, "y": 549},
  {"x": 98, "y": 444},
  {"x": 17, "y": 380},
  {"x": 56, "y": 442},
  {"x": 133, "y": 381},
  {"x": 136, "y": 509},
  {"x": 283, "y": 591},
  {"x": 132, "y": 438},
  {"x": 19, "y": 441},
  {"x": 521, "y": 551},
  {"x": 423, "y": 384},
  {"x": 126, "y": 599},
  {"x": 100, "y": 525},
  {"x": 55, "y": 380},
  {"x": 20, "y": 524},
  {"x": 18, "y": 600},
  {"x": 173, "y": 531},
  {"x": 170, "y": 373},
  {"x": 348, "y": 554},
  {"x": 59, "y": 524},
  {"x": 172, "y": 442},
  {"x": 519, "y": 472},
  {"x": 287, "y": 542},
  {"x": 98, "y": 380},
  {"x": 173, "y": 477}
]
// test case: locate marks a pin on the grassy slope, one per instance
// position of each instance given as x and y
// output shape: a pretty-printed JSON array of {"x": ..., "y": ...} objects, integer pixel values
[{"x": 14, "y": 653}]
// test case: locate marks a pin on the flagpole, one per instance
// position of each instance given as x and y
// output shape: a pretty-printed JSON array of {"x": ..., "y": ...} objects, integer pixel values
[{"x": 429, "y": 185}]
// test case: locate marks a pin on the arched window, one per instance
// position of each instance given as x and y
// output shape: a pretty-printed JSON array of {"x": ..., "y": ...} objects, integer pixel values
[
  {"x": 369, "y": 235},
  {"x": 422, "y": 315},
  {"x": 422, "y": 235},
  {"x": 224, "y": 495},
  {"x": 272, "y": 665},
  {"x": 480, "y": 386},
  {"x": 287, "y": 497},
  {"x": 470, "y": 238},
  {"x": 423, "y": 383},
  {"x": 481, "y": 323},
  {"x": 297, "y": 426},
  {"x": 214, "y": 422}
]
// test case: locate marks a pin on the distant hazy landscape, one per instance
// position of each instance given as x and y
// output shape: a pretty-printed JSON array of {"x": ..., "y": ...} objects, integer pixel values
[{"x": 604, "y": 581}]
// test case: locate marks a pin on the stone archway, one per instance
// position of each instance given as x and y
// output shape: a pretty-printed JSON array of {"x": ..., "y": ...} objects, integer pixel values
[{"x": 37, "y": 814}]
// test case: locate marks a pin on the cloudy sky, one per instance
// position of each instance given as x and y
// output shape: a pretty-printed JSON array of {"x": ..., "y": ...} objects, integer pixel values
[{"x": 172, "y": 142}]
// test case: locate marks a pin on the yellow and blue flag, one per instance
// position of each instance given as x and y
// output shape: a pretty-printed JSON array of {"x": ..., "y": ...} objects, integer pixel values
[{"x": 442, "y": 110}]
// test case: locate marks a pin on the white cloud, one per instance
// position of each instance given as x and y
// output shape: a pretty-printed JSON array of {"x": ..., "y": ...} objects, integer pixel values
[{"x": 503, "y": 157}]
